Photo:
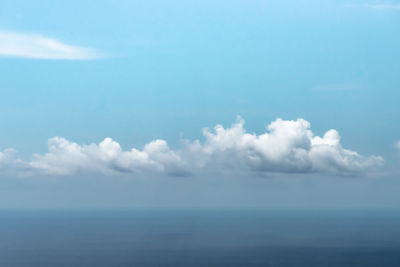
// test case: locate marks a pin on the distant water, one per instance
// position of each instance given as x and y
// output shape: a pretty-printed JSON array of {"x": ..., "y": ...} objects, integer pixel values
[{"x": 199, "y": 238}]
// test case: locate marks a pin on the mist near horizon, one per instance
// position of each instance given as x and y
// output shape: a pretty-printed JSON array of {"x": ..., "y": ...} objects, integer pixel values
[{"x": 294, "y": 192}]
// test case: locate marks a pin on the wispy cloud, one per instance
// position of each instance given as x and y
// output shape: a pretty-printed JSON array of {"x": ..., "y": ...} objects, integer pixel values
[
  {"x": 338, "y": 87},
  {"x": 35, "y": 46},
  {"x": 385, "y": 6},
  {"x": 286, "y": 147}
]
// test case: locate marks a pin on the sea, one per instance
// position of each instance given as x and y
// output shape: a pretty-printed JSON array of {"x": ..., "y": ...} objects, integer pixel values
[{"x": 200, "y": 237}]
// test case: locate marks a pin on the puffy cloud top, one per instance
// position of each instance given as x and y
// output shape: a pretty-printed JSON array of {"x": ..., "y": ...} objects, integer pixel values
[
  {"x": 107, "y": 157},
  {"x": 286, "y": 147}
]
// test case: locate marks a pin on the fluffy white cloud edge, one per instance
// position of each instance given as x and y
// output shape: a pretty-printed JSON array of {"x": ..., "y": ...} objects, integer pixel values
[
  {"x": 286, "y": 147},
  {"x": 35, "y": 46}
]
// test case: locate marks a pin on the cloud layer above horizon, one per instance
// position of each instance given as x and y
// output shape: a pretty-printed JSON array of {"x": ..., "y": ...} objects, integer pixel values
[
  {"x": 286, "y": 147},
  {"x": 35, "y": 46}
]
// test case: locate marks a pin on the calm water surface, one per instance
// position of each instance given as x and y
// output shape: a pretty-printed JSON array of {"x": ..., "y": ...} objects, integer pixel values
[{"x": 199, "y": 238}]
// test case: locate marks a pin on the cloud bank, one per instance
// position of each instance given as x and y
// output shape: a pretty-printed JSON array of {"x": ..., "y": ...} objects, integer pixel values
[
  {"x": 286, "y": 147},
  {"x": 38, "y": 47}
]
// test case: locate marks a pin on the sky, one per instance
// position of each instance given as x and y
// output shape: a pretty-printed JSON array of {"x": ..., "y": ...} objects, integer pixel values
[{"x": 193, "y": 104}]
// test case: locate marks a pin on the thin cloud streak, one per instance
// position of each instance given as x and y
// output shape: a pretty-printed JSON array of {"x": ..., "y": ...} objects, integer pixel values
[
  {"x": 385, "y": 6},
  {"x": 338, "y": 87},
  {"x": 35, "y": 46}
]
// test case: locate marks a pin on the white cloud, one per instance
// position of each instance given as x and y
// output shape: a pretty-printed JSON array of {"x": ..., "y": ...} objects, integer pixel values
[
  {"x": 338, "y": 87},
  {"x": 11, "y": 164},
  {"x": 107, "y": 157},
  {"x": 398, "y": 145},
  {"x": 286, "y": 147},
  {"x": 385, "y": 6},
  {"x": 38, "y": 47}
]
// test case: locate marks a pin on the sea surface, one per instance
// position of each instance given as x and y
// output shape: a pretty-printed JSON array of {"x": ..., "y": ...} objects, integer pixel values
[{"x": 199, "y": 238}]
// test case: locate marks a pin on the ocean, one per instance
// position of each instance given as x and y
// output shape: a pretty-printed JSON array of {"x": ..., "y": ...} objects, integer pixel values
[{"x": 84, "y": 237}]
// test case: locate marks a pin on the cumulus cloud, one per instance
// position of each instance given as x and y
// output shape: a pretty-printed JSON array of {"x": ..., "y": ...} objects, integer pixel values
[
  {"x": 40, "y": 47},
  {"x": 11, "y": 164},
  {"x": 287, "y": 146},
  {"x": 107, "y": 157}
]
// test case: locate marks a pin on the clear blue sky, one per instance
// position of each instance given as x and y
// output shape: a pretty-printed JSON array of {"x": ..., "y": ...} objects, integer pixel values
[{"x": 167, "y": 69}]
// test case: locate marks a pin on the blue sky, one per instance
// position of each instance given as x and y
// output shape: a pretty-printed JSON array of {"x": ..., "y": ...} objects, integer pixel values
[{"x": 137, "y": 71}]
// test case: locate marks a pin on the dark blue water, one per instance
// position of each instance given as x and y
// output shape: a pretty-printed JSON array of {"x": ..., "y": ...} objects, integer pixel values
[{"x": 199, "y": 238}]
